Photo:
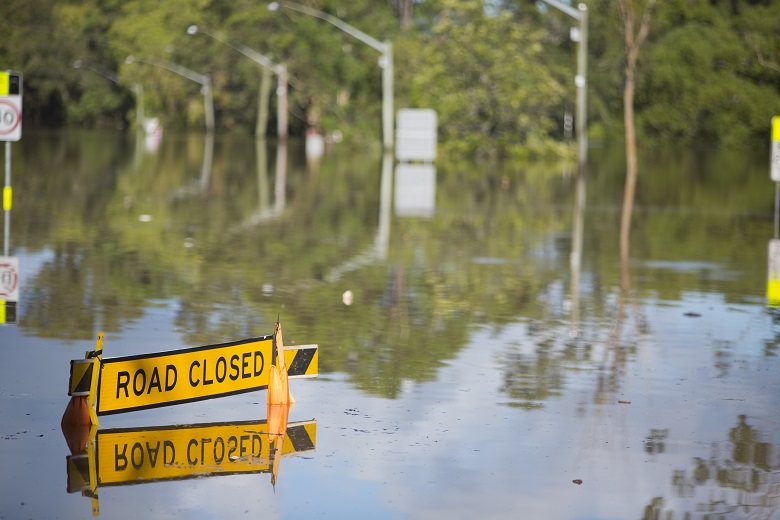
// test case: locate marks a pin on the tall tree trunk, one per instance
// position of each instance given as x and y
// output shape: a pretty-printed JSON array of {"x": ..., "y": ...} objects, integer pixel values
[
  {"x": 633, "y": 43},
  {"x": 263, "y": 96},
  {"x": 405, "y": 13}
]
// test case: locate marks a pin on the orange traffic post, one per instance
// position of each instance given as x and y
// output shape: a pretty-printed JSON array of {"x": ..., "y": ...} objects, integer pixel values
[{"x": 278, "y": 382}]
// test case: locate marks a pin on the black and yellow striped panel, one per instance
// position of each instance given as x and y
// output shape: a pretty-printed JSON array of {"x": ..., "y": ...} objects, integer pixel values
[
  {"x": 80, "y": 377},
  {"x": 303, "y": 436},
  {"x": 78, "y": 473},
  {"x": 302, "y": 361},
  {"x": 7, "y": 312}
]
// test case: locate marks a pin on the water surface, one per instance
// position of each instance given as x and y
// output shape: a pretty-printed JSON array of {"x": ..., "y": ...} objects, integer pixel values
[{"x": 478, "y": 371}]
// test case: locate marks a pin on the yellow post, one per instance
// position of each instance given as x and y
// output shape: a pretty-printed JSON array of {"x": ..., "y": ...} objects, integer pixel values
[
  {"x": 97, "y": 357},
  {"x": 773, "y": 276},
  {"x": 93, "y": 477}
]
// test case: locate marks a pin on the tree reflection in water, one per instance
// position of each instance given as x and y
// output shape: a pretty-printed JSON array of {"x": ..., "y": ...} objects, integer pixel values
[{"x": 740, "y": 479}]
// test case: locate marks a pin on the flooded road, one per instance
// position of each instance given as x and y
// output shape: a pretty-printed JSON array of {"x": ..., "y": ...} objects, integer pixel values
[{"x": 483, "y": 352}]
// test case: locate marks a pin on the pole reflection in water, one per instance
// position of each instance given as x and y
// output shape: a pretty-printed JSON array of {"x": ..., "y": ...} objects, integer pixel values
[
  {"x": 263, "y": 193},
  {"x": 575, "y": 260},
  {"x": 201, "y": 185},
  {"x": 264, "y": 210},
  {"x": 9, "y": 266},
  {"x": 208, "y": 159},
  {"x": 382, "y": 237},
  {"x": 280, "y": 184},
  {"x": 773, "y": 275},
  {"x": 382, "y": 240}
]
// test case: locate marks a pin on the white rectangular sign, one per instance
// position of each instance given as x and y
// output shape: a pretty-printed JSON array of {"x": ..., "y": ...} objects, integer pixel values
[{"x": 416, "y": 138}]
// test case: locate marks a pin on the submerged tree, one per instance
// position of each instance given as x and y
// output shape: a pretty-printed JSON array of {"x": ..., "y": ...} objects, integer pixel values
[{"x": 634, "y": 41}]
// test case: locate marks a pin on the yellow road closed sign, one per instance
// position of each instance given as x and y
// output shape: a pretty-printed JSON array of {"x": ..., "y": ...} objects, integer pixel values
[{"x": 151, "y": 380}]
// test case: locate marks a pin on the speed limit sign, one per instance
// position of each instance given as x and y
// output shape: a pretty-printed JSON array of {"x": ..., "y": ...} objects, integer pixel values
[{"x": 10, "y": 106}]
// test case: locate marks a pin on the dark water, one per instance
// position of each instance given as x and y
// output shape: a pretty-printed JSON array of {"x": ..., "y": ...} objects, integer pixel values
[{"x": 479, "y": 369}]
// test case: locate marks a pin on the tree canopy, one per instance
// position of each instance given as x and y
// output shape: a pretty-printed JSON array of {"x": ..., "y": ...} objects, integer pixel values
[{"x": 499, "y": 73}]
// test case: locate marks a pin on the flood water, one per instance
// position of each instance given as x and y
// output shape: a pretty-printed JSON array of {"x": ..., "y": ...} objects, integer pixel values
[{"x": 469, "y": 365}]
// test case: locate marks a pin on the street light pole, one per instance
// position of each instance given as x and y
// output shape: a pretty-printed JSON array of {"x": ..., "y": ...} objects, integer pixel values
[
  {"x": 279, "y": 69},
  {"x": 203, "y": 80},
  {"x": 386, "y": 61},
  {"x": 582, "y": 86},
  {"x": 282, "y": 107},
  {"x": 387, "y": 96},
  {"x": 112, "y": 76},
  {"x": 581, "y": 79}
]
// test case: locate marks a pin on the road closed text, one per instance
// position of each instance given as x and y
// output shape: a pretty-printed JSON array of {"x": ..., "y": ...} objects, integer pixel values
[
  {"x": 138, "y": 382},
  {"x": 161, "y": 454}
]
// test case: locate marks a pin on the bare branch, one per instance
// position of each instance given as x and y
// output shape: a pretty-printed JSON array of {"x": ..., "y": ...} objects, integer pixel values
[
  {"x": 753, "y": 42},
  {"x": 644, "y": 27}
]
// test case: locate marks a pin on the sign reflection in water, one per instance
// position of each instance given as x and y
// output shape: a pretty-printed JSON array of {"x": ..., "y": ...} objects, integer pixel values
[
  {"x": 118, "y": 457},
  {"x": 9, "y": 288}
]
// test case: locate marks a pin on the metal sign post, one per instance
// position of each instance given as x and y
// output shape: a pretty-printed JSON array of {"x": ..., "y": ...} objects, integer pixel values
[
  {"x": 7, "y": 200},
  {"x": 10, "y": 130},
  {"x": 774, "y": 169}
]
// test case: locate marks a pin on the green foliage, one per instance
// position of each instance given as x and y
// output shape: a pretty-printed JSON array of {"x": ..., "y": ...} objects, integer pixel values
[
  {"x": 481, "y": 73},
  {"x": 706, "y": 75},
  {"x": 715, "y": 101},
  {"x": 499, "y": 74}
]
